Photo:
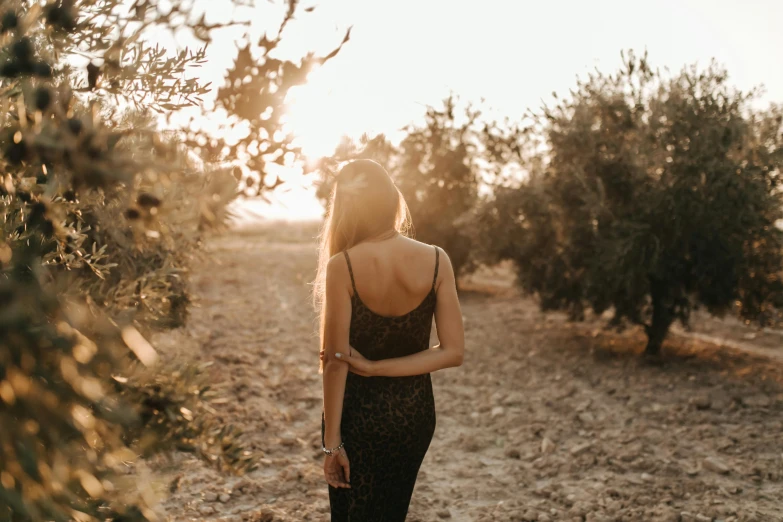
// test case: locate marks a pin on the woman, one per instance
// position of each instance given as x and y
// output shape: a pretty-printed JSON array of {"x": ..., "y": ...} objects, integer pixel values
[{"x": 378, "y": 292}]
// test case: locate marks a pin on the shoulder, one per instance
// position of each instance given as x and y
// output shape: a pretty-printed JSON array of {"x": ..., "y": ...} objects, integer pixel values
[
  {"x": 426, "y": 249},
  {"x": 445, "y": 270},
  {"x": 443, "y": 257},
  {"x": 336, "y": 269}
]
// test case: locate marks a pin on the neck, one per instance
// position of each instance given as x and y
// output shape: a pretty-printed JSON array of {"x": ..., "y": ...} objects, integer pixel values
[{"x": 384, "y": 235}]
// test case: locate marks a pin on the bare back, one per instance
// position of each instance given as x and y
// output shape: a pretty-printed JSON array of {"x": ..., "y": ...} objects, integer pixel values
[{"x": 393, "y": 276}]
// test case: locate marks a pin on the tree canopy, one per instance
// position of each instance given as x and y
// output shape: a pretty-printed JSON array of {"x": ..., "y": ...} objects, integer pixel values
[{"x": 649, "y": 195}]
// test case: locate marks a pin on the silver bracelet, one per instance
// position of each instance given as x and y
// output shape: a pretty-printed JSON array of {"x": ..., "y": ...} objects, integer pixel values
[{"x": 330, "y": 452}]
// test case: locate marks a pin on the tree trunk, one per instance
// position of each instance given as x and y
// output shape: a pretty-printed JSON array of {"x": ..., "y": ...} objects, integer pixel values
[{"x": 662, "y": 319}]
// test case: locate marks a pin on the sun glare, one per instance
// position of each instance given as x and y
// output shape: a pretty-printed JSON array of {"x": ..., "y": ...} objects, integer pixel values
[
  {"x": 311, "y": 117},
  {"x": 324, "y": 110}
]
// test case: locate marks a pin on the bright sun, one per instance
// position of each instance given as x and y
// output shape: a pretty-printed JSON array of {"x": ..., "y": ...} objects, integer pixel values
[{"x": 318, "y": 114}]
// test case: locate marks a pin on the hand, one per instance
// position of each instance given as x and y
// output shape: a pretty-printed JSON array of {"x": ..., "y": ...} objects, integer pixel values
[
  {"x": 358, "y": 363},
  {"x": 337, "y": 469},
  {"x": 355, "y": 360}
]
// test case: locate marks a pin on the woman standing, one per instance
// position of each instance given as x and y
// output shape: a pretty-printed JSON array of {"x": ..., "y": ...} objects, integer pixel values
[{"x": 378, "y": 292}]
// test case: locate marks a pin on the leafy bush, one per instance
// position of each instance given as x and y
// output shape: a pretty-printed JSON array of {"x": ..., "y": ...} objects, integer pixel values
[
  {"x": 101, "y": 214},
  {"x": 437, "y": 173},
  {"x": 652, "y": 196}
]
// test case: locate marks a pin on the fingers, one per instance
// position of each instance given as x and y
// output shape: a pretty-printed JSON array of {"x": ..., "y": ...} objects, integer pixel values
[
  {"x": 347, "y": 471},
  {"x": 333, "y": 472},
  {"x": 334, "y": 480},
  {"x": 347, "y": 358},
  {"x": 355, "y": 365}
]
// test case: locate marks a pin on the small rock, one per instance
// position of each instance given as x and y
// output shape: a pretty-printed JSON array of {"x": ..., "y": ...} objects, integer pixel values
[
  {"x": 547, "y": 446},
  {"x": 543, "y": 489},
  {"x": 210, "y": 496},
  {"x": 470, "y": 443},
  {"x": 543, "y": 517},
  {"x": 224, "y": 497},
  {"x": 504, "y": 479},
  {"x": 513, "y": 399},
  {"x": 586, "y": 417},
  {"x": 687, "y": 516},
  {"x": 513, "y": 453},
  {"x": 497, "y": 411},
  {"x": 756, "y": 401},
  {"x": 530, "y": 515},
  {"x": 584, "y": 405},
  {"x": 647, "y": 477},
  {"x": 444, "y": 513},
  {"x": 579, "y": 510},
  {"x": 242, "y": 485},
  {"x": 288, "y": 439},
  {"x": 267, "y": 516},
  {"x": 580, "y": 448},
  {"x": 205, "y": 509},
  {"x": 633, "y": 479},
  {"x": 702, "y": 402},
  {"x": 716, "y": 465}
]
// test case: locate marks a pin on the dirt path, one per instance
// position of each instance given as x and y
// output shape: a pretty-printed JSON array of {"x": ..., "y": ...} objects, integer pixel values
[{"x": 545, "y": 420}]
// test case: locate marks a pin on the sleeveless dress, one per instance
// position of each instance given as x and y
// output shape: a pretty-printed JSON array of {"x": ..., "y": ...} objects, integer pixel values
[{"x": 387, "y": 422}]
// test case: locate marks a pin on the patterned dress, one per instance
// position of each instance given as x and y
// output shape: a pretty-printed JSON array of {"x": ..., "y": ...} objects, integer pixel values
[{"x": 387, "y": 422}]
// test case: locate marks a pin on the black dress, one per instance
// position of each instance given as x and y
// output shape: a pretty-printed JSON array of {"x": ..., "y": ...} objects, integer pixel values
[{"x": 387, "y": 422}]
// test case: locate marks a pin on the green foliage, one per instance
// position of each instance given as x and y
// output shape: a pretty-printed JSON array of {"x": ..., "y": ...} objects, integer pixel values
[
  {"x": 438, "y": 175},
  {"x": 62, "y": 427},
  {"x": 101, "y": 215},
  {"x": 254, "y": 92},
  {"x": 651, "y": 196},
  {"x": 173, "y": 405}
]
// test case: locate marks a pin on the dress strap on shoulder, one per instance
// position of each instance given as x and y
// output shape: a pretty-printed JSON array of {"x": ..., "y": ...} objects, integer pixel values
[
  {"x": 350, "y": 271},
  {"x": 437, "y": 261}
]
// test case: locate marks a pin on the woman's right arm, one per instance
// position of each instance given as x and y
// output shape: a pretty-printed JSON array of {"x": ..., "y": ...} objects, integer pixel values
[{"x": 449, "y": 353}]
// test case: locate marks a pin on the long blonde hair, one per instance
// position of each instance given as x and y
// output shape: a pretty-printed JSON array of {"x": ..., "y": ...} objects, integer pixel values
[{"x": 364, "y": 204}]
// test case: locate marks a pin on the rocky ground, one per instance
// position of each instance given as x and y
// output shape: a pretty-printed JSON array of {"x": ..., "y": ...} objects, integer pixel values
[{"x": 544, "y": 421}]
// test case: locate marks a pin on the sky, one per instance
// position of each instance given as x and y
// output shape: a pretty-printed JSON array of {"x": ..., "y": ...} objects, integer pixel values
[{"x": 406, "y": 54}]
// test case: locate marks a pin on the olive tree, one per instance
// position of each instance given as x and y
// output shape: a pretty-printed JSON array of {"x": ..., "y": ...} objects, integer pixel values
[
  {"x": 101, "y": 209},
  {"x": 648, "y": 195}
]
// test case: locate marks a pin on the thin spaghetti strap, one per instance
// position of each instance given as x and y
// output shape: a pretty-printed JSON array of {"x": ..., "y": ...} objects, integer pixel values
[
  {"x": 437, "y": 261},
  {"x": 350, "y": 271}
]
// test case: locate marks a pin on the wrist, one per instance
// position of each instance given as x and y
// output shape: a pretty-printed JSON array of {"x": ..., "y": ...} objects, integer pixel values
[
  {"x": 376, "y": 367},
  {"x": 332, "y": 441},
  {"x": 336, "y": 450}
]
